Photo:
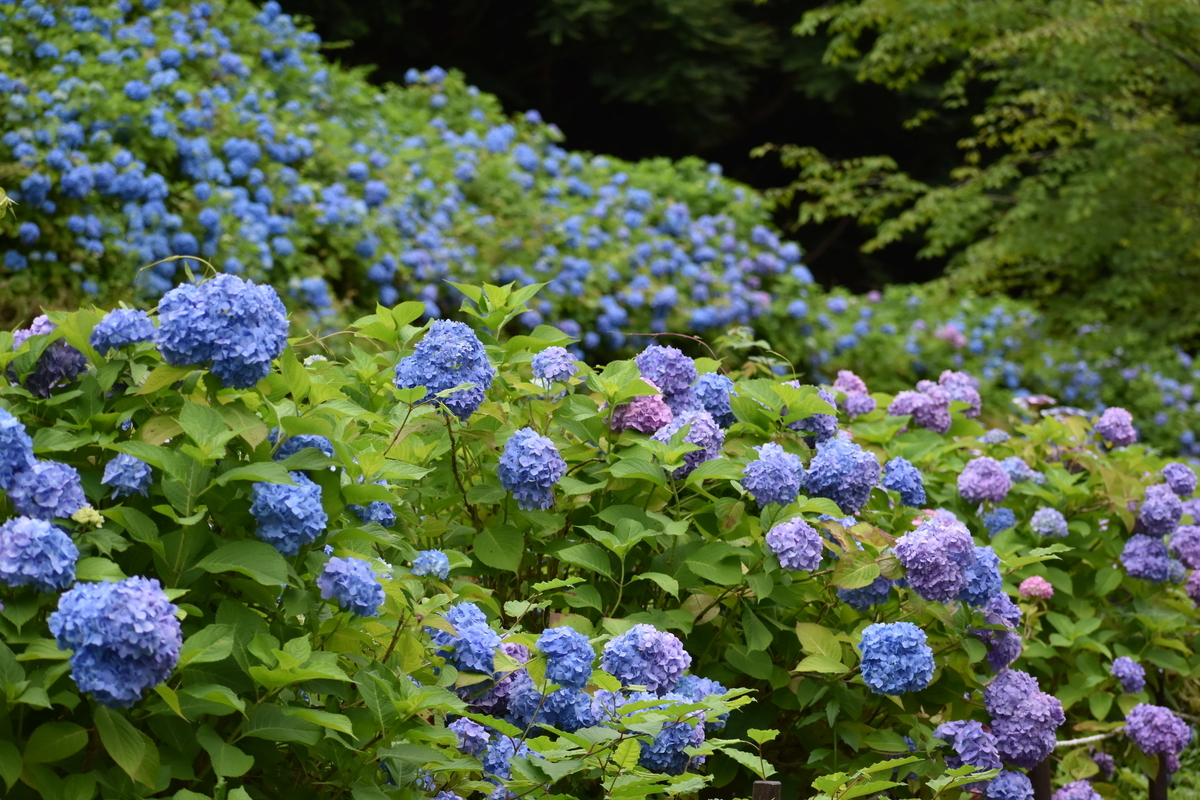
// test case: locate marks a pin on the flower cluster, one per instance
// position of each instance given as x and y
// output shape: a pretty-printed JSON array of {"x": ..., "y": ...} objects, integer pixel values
[
  {"x": 36, "y": 553},
  {"x": 127, "y": 476},
  {"x": 1076, "y": 790},
  {"x": 119, "y": 328},
  {"x": 554, "y": 364},
  {"x": 289, "y": 517},
  {"x": 1158, "y": 731},
  {"x": 899, "y": 475},
  {"x": 529, "y": 468},
  {"x": 432, "y": 562},
  {"x": 47, "y": 490},
  {"x": 472, "y": 646},
  {"x": 1115, "y": 426},
  {"x": 569, "y": 657},
  {"x": 1036, "y": 586},
  {"x": 1024, "y": 718},
  {"x": 672, "y": 372},
  {"x": 352, "y": 582},
  {"x": 645, "y": 656},
  {"x": 983, "y": 480},
  {"x": 1161, "y": 511},
  {"x": 645, "y": 413},
  {"x": 895, "y": 658},
  {"x": 844, "y": 473},
  {"x": 1130, "y": 673},
  {"x": 450, "y": 355},
  {"x": 774, "y": 477},
  {"x": 1049, "y": 522},
  {"x": 703, "y": 432},
  {"x": 1181, "y": 478},
  {"x": 59, "y": 363},
  {"x": 937, "y": 556},
  {"x": 797, "y": 545},
  {"x": 972, "y": 745}
]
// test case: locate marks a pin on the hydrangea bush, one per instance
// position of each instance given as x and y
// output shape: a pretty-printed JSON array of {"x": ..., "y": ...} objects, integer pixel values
[{"x": 335, "y": 580}]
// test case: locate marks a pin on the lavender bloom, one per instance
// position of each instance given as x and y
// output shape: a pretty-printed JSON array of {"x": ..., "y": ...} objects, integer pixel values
[
  {"x": 929, "y": 407},
  {"x": 843, "y": 472},
  {"x": 1009, "y": 785},
  {"x": 972, "y": 745},
  {"x": 1004, "y": 646},
  {"x": 983, "y": 578},
  {"x": 1181, "y": 478},
  {"x": 1192, "y": 587},
  {"x": 937, "y": 556},
  {"x": 645, "y": 656},
  {"x": 472, "y": 737},
  {"x": 1106, "y": 763},
  {"x": 1023, "y": 724},
  {"x": 1130, "y": 673},
  {"x": 774, "y": 477},
  {"x": 59, "y": 363},
  {"x": 554, "y": 364},
  {"x": 703, "y": 432},
  {"x": 1185, "y": 544},
  {"x": 1157, "y": 731},
  {"x": 995, "y": 436},
  {"x": 899, "y": 475},
  {"x": 797, "y": 545},
  {"x": 849, "y": 383},
  {"x": 858, "y": 404},
  {"x": 1146, "y": 557},
  {"x": 1076, "y": 790},
  {"x": 895, "y": 658},
  {"x": 1115, "y": 426},
  {"x": 963, "y": 388},
  {"x": 983, "y": 479},
  {"x": 1019, "y": 472},
  {"x": 671, "y": 370},
  {"x": 1049, "y": 522},
  {"x": 1161, "y": 511},
  {"x": 644, "y": 413}
]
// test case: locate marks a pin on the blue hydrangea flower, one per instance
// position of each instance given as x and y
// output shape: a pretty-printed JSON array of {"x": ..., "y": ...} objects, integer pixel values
[
  {"x": 983, "y": 578},
  {"x": 1146, "y": 557},
  {"x": 774, "y": 477},
  {"x": 473, "y": 738},
  {"x": 529, "y": 468},
  {"x": 294, "y": 444},
  {"x": 125, "y": 637},
  {"x": 820, "y": 427},
  {"x": 378, "y": 511},
  {"x": 1000, "y": 519},
  {"x": 797, "y": 545},
  {"x": 554, "y": 364},
  {"x": 472, "y": 647},
  {"x": 713, "y": 391},
  {"x": 127, "y": 475},
  {"x": 47, "y": 490},
  {"x": 1020, "y": 472},
  {"x": 1115, "y": 426},
  {"x": 497, "y": 759},
  {"x": 703, "y": 432},
  {"x": 289, "y": 517},
  {"x": 1181, "y": 478},
  {"x": 646, "y": 656},
  {"x": 119, "y": 328},
  {"x": 1049, "y": 522},
  {"x": 672, "y": 371},
  {"x": 983, "y": 479},
  {"x": 449, "y": 355},
  {"x": 842, "y": 472},
  {"x": 35, "y": 553},
  {"x": 1161, "y": 511},
  {"x": 972, "y": 745},
  {"x": 696, "y": 689},
  {"x": 232, "y": 324},
  {"x": 353, "y": 584},
  {"x": 16, "y": 449},
  {"x": 899, "y": 475},
  {"x": 995, "y": 436},
  {"x": 895, "y": 658},
  {"x": 59, "y": 363},
  {"x": 874, "y": 593},
  {"x": 569, "y": 657},
  {"x": 1130, "y": 673},
  {"x": 937, "y": 556},
  {"x": 1009, "y": 785},
  {"x": 432, "y": 562},
  {"x": 666, "y": 754}
]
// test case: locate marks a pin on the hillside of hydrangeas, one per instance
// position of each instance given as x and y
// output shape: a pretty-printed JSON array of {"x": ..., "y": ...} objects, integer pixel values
[{"x": 142, "y": 135}]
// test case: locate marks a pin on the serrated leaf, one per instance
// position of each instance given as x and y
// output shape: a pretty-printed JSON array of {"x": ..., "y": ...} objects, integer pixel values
[
  {"x": 256, "y": 560},
  {"x": 751, "y": 761},
  {"x": 818, "y": 640},
  {"x": 133, "y": 750},
  {"x": 822, "y": 664},
  {"x": 500, "y": 548}
]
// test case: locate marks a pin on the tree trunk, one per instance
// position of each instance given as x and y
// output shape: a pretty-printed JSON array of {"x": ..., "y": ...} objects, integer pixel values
[
  {"x": 1039, "y": 776},
  {"x": 1158, "y": 784},
  {"x": 768, "y": 790}
]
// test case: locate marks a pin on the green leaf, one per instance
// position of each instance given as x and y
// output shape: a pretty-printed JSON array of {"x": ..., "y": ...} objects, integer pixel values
[
  {"x": 214, "y": 643},
  {"x": 335, "y": 722},
  {"x": 665, "y": 582},
  {"x": 206, "y": 427},
  {"x": 718, "y": 468},
  {"x": 227, "y": 761},
  {"x": 758, "y": 636},
  {"x": 271, "y": 723},
  {"x": 500, "y": 548},
  {"x": 98, "y": 569},
  {"x": 588, "y": 556},
  {"x": 855, "y": 570},
  {"x": 256, "y": 560},
  {"x": 818, "y": 640},
  {"x": 164, "y": 376},
  {"x": 54, "y": 741},
  {"x": 11, "y": 764},
  {"x": 133, "y": 750},
  {"x": 266, "y": 471},
  {"x": 751, "y": 761},
  {"x": 761, "y": 736},
  {"x": 822, "y": 664},
  {"x": 1107, "y": 579},
  {"x": 717, "y": 563},
  {"x": 886, "y": 741},
  {"x": 295, "y": 374}
]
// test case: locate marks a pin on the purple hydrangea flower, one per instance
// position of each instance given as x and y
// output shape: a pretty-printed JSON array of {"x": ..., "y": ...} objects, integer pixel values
[
  {"x": 493, "y": 699},
  {"x": 858, "y": 404},
  {"x": 289, "y": 517},
  {"x": 821, "y": 427},
  {"x": 1115, "y": 426},
  {"x": 774, "y": 477},
  {"x": 1024, "y": 719},
  {"x": 797, "y": 545},
  {"x": 983, "y": 578},
  {"x": 899, "y": 475},
  {"x": 703, "y": 432},
  {"x": 353, "y": 584},
  {"x": 449, "y": 355},
  {"x": 1020, "y": 472},
  {"x": 1181, "y": 478},
  {"x": 474, "y": 643},
  {"x": 996, "y": 436},
  {"x": 16, "y": 449},
  {"x": 1000, "y": 519},
  {"x": 937, "y": 556},
  {"x": 713, "y": 392},
  {"x": 1009, "y": 785},
  {"x": 849, "y": 383},
  {"x": 473, "y": 738},
  {"x": 929, "y": 407},
  {"x": 1049, "y": 522},
  {"x": 1157, "y": 731},
  {"x": 874, "y": 593},
  {"x": 963, "y": 388},
  {"x": 1076, "y": 790},
  {"x": 895, "y": 658},
  {"x": 1106, "y": 763},
  {"x": 1185, "y": 544},
  {"x": 47, "y": 490},
  {"x": 238, "y": 327},
  {"x": 1130, "y": 673},
  {"x": 569, "y": 657},
  {"x": 554, "y": 364},
  {"x": 127, "y": 475},
  {"x": 982, "y": 480},
  {"x": 1146, "y": 557},
  {"x": 972, "y": 745},
  {"x": 125, "y": 637},
  {"x": 1007, "y": 690},
  {"x": 432, "y": 562},
  {"x": 646, "y": 656},
  {"x": 59, "y": 363},
  {"x": 1192, "y": 587},
  {"x": 842, "y": 472},
  {"x": 119, "y": 328},
  {"x": 644, "y": 413},
  {"x": 1004, "y": 646},
  {"x": 1161, "y": 511},
  {"x": 35, "y": 553},
  {"x": 529, "y": 468},
  {"x": 672, "y": 371}
]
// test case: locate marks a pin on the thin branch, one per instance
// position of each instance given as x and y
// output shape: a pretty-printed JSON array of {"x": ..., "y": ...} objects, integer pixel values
[
  {"x": 1089, "y": 739},
  {"x": 457, "y": 477},
  {"x": 1190, "y": 63}
]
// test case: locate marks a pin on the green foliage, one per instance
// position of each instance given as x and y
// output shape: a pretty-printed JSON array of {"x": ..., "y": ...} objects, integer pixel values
[{"x": 1074, "y": 186}]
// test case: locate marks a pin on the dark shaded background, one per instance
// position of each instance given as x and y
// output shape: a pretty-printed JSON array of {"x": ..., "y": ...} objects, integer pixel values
[{"x": 639, "y": 78}]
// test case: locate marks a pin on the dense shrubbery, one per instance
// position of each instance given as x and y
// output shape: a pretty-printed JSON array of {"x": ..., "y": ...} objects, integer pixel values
[{"x": 338, "y": 587}]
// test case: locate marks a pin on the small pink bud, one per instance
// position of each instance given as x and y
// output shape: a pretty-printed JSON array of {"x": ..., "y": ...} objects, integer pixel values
[{"x": 1037, "y": 586}]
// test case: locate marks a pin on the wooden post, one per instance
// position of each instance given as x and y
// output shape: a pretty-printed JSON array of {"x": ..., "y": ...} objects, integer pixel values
[
  {"x": 1039, "y": 776},
  {"x": 1158, "y": 784},
  {"x": 768, "y": 790}
]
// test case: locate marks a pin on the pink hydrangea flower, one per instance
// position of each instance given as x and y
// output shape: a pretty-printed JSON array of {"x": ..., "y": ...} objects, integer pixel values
[{"x": 1037, "y": 586}]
